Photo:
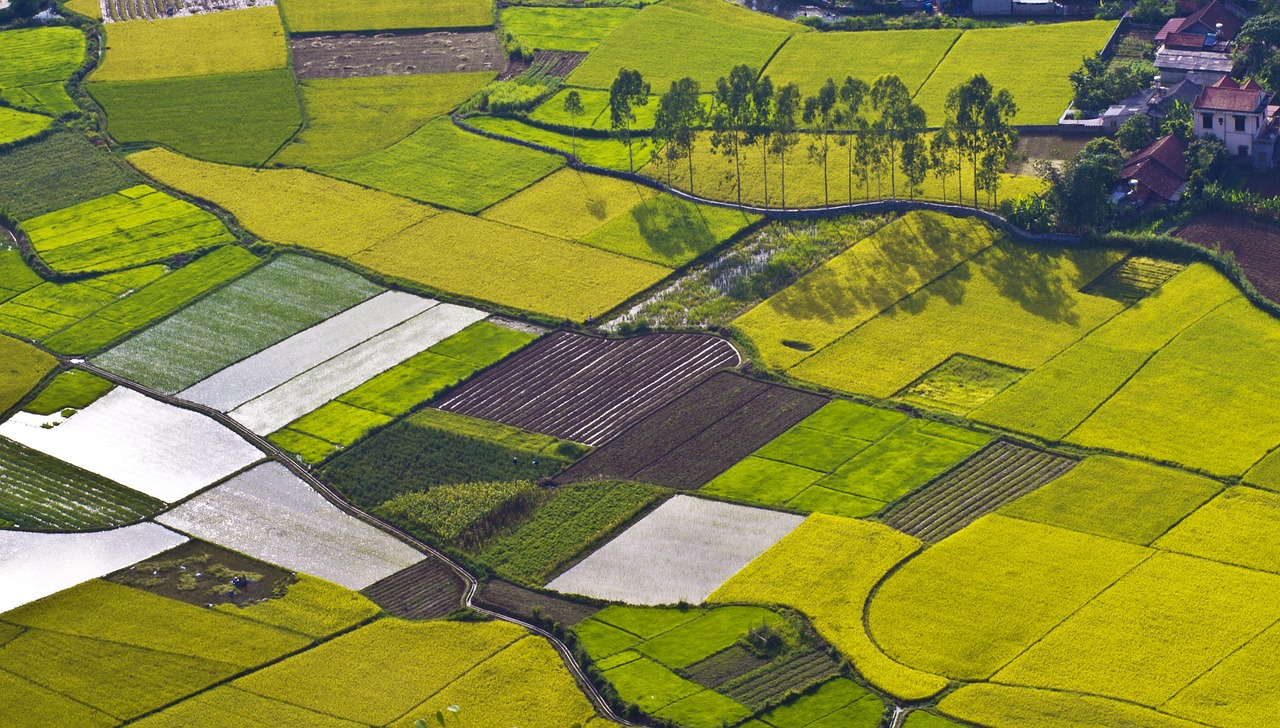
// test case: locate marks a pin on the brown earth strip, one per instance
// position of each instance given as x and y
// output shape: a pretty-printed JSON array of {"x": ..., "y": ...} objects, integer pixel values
[
  {"x": 396, "y": 54},
  {"x": 1254, "y": 243},
  {"x": 516, "y": 601},
  {"x": 426, "y": 590},
  {"x": 201, "y": 573}
]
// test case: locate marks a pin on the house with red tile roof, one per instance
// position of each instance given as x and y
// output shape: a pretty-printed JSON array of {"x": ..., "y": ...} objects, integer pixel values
[
  {"x": 1157, "y": 174},
  {"x": 1213, "y": 24},
  {"x": 1240, "y": 114}
]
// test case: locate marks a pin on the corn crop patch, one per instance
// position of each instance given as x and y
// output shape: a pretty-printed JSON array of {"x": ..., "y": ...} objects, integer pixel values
[
  {"x": 131, "y": 227},
  {"x": 682, "y": 551},
  {"x": 396, "y": 54},
  {"x": 426, "y": 590},
  {"x": 271, "y": 515},
  {"x": 689, "y": 441},
  {"x": 1000, "y": 473},
  {"x": 39, "y": 492},
  {"x": 587, "y": 389}
]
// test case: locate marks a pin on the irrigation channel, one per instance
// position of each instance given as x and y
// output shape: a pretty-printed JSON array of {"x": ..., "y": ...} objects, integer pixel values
[{"x": 472, "y": 584}]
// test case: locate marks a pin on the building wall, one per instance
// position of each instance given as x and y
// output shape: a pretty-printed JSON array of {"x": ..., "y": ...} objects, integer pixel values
[{"x": 992, "y": 7}]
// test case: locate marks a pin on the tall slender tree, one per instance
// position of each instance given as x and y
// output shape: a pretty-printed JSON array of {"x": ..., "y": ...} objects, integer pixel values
[
  {"x": 786, "y": 111},
  {"x": 821, "y": 115},
  {"x": 628, "y": 91},
  {"x": 900, "y": 118},
  {"x": 867, "y": 153},
  {"x": 999, "y": 139},
  {"x": 680, "y": 115},
  {"x": 852, "y": 93},
  {"x": 942, "y": 156},
  {"x": 914, "y": 149},
  {"x": 761, "y": 129},
  {"x": 573, "y": 107},
  {"x": 731, "y": 116},
  {"x": 965, "y": 106}
]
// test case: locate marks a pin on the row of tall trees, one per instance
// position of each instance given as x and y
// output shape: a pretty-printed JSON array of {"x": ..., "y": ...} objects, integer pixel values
[{"x": 874, "y": 129}]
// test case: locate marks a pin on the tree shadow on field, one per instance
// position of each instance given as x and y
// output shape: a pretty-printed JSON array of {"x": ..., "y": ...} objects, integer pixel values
[
  {"x": 672, "y": 227},
  {"x": 1034, "y": 279},
  {"x": 834, "y": 292}
]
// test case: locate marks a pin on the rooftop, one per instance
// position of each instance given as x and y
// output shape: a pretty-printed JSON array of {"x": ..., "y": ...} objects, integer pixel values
[{"x": 1230, "y": 95}]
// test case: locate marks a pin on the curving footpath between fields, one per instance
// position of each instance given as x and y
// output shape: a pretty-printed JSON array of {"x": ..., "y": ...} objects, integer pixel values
[
  {"x": 787, "y": 213},
  {"x": 275, "y": 453}
]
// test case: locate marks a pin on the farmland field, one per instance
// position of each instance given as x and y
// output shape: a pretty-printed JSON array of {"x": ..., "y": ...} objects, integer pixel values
[
  {"x": 426, "y": 590},
  {"x": 607, "y": 153},
  {"x": 72, "y": 389},
  {"x": 34, "y": 64},
  {"x": 808, "y": 60},
  {"x": 292, "y": 525},
  {"x": 23, "y": 367},
  {"x": 564, "y": 29},
  {"x": 237, "y": 118},
  {"x": 1250, "y": 242},
  {"x": 36, "y": 175},
  {"x": 589, "y": 389},
  {"x": 197, "y": 45},
  {"x": 131, "y": 227},
  {"x": 683, "y": 551},
  {"x": 1006, "y": 55},
  {"x": 138, "y": 442},
  {"x": 352, "y": 55},
  {"x": 444, "y": 165},
  {"x": 288, "y": 295},
  {"x": 312, "y": 16},
  {"x": 16, "y": 125},
  {"x": 1238, "y": 527},
  {"x": 43, "y": 309},
  {"x": 352, "y": 117}
]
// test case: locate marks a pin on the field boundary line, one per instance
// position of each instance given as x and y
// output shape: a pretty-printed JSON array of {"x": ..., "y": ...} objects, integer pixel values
[
  {"x": 765, "y": 66},
  {"x": 938, "y": 65},
  {"x": 470, "y": 583},
  {"x": 1137, "y": 371},
  {"x": 1081, "y": 693},
  {"x": 59, "y": 693},
  {"x": 483, "y": 661},
  {"x": 130, "y": 645},
  {"x": 1225, "y": 657}
]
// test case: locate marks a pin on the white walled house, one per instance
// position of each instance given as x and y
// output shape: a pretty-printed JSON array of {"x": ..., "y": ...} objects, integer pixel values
[{"x": 1242, "y": 116}]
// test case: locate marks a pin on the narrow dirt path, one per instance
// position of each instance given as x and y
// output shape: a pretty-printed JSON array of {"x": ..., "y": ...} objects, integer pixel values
[{"x": 275, "y": 453}]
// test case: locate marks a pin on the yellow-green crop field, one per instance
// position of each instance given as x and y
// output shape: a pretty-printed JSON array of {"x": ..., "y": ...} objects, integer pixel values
[
  {"x": 134, "y": 226},
  {"x": 831, "y": 586},
  {"x": 197, "y": 45},
  {"x": 1241, "y": 527},
  {"x": 1006, "y": 706},
  {"x": 606, "y": 153},
  {"x": 968, "y": 605},
  {"x": 16, "y": 125},
  {"x": 22, "y": 368},
  {"x": 34, "y": 64},
  {"x": 911, "y": 55},
  {"x": 563, "y": 29},
  {"x": 351, "y": 117},
  {"x": 314, "y": 16}
]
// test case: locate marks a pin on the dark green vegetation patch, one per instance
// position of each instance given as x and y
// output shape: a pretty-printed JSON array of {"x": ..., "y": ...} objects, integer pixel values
[{"x": 62, "y": 170}]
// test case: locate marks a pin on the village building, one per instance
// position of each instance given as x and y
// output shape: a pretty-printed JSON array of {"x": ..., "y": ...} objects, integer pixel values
[
  {"x": 1242, "y": 116},
  {"x": 1198, "y": 46},
  {"x": 1155, "y": 175}
]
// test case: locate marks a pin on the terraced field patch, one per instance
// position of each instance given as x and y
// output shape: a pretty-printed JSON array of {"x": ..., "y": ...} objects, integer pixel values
[
  {"x": 396, "y": 54},
  {"x": 426, "y": 590},
  {"x": 41, "y": 564},
  {"x": 317, "y": 16},
  {"x": 131, "y": 227},
  {"x": 689, "y": 441},
  {"x": 292, "y": 526},
  {"x": 607, "y": 153},
  {"x": 1134, "y": 278},
  {"x": 42, "y": 309},
  {"x": 683, "y": 551},
  {"x": 17, "y": 125},
  {"x": 960, "y": 384},
  {"x": 808, "y": 60},
  {"x": 590, "y": 389},
  {"x": 999, "y": 474},
  {"x": 23, "y": 367},
  {"x": 257, "y": 311},
  {"x": 160, "y": 450},
  {"x": 197, "y": 45},
  {"x": 34, "y": 64},
  {"x": 563, "y": 29},
  {"x": 37, "y": 174},
  {"x": 836, "y": 702},
  {"x": 41, "y": 493},
  {"x": 71, "y": 389}
]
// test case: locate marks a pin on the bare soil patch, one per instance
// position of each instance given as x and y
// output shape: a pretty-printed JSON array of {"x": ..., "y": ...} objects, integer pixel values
[
  {"x": 119, "y": 10},
  {"x": 1254, "y": 243},
  {"x": 396, "y": 54},
  {"x": 516, "y": 601},
  {"x": 426, "y": 590},
  {"x": 545, "y": 63},
  {"x": 202, "y": 574}
]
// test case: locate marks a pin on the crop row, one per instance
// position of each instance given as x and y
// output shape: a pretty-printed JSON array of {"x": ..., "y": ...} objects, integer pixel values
[
  {"x": 781, "y": 678},
  {"x": 999, "y": 474},
  {"x": 426, "y": 590},
  {"x": 1133, "y": 278},
  {"x": 587, "y": 389}
]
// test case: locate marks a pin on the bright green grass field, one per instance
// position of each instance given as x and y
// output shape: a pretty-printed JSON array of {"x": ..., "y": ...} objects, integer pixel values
[
  {"x": 34, "y": 63},
  {"x": 236, "y": 118},
  {"x": 809, "y": 60},
  {"x": 1032, "y": 61},
  {"x": 351, "y": 117},
  {"x": 1241, "y": 527},
  {"x": 1203, "y": 384},
  {"x": 22, "y": 366},
  {"x": 1013, "y": 304},
  {"x": 1128, "y": 500},
  {"x": 60, "y": 171},
  {"x": 563, "y": 29},
  {"x": 1158, "y": 629},
  {"x": 247, "y": 40},
  {"x": 606, "y": 153},
  {"x": 148, "y": 304},
  {"x": 970, "y": 604},
  {"x": 1052, "y": 400},
  {"x": 443, "y": 165},
  {"x": 74, "y": 389},
  {"x": 855, "y": 286},
  {"x": 836, "y": 702},
  {"x": 131, "y": 227},
  {"x": 709, "y": 48},
  {"x": 48, "y": 308},
  {"x": 595, "y": 107},
  {"x": 16, "y": 125},
  {"x": 904, "y": 460},
  {"x": 313, "y": 16}
]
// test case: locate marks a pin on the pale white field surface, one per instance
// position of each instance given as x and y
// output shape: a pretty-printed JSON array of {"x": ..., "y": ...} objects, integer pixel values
[
  {"x": 684, "y": 550},
  {"x": 35, "y": 565},
  {"x": 158, "y": 449},
  {"x": 270, "y": 514},
  {"x": 276, "y": 365},
  {"x": 354, "y": 367}
]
